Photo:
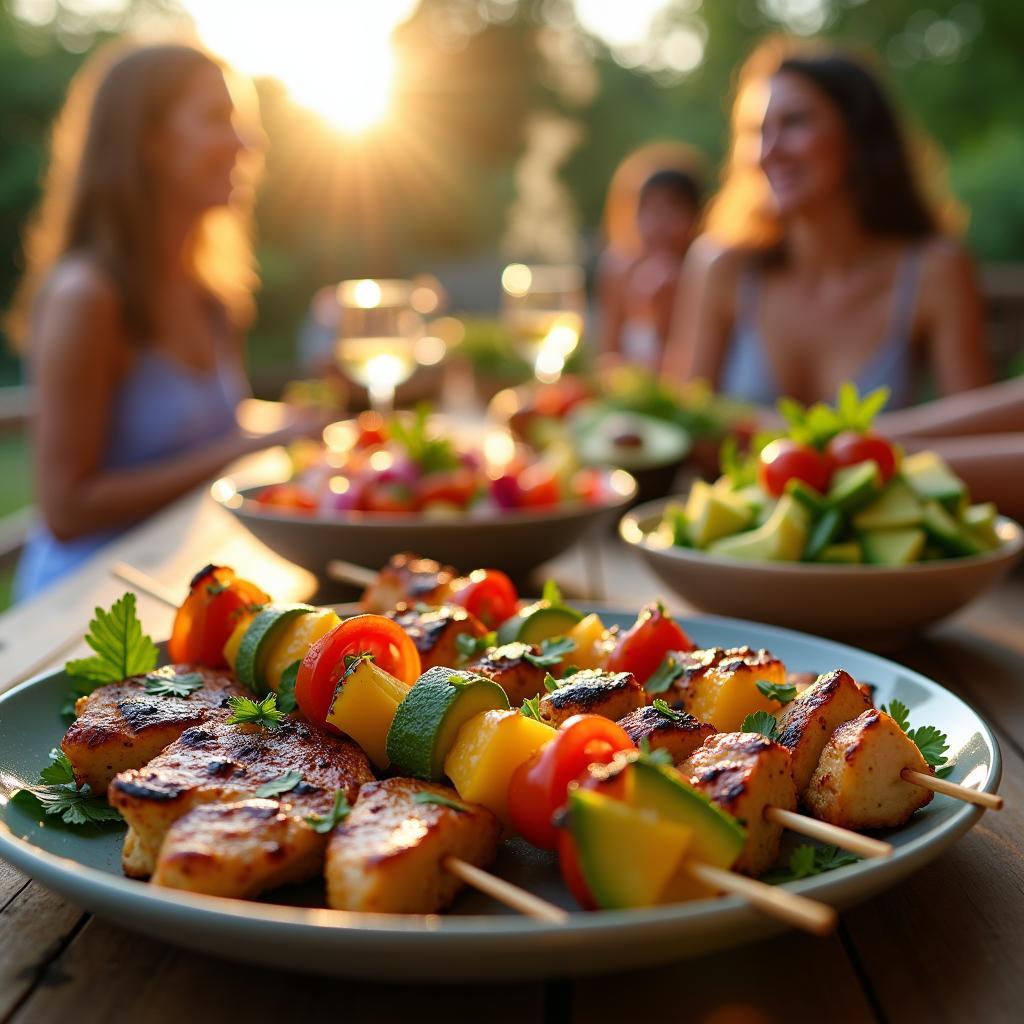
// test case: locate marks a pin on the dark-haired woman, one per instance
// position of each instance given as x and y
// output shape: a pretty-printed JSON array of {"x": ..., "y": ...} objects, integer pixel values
[{"x": 823, "y": 261}]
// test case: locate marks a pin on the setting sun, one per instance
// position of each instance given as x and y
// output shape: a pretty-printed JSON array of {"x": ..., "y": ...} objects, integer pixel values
[{"x": 335, "y": 59}]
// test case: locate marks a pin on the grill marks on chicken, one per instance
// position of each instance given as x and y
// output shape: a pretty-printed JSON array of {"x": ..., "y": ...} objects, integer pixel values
[
  {"x": 680, "y": 735},
  {"x": 510, "y": 669},
  {"x": 435, "y": 630},
  {"x": 388, "y": 856},
  {"x": 593, "y": 692},
  {"x": 221, "y": 763},
  {"x": 121, "y": 726},
  {"x": 407, "y": 579}
]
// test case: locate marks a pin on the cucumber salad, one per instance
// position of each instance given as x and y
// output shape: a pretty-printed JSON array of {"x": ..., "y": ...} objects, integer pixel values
[{"x": 832, "y": 490}]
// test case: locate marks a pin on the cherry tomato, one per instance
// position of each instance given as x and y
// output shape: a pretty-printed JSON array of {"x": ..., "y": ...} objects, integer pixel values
[
  {"x": 287, "y": 496},
  {"x": 538, "y": 787},
  {"x": 324, "y": 663},
  {"x": 785, "y": 460},
  {"x": 216, "y": 601},
  {"x": 372, "y": 429},
  {"x": 642, "y": 648},
  {"x": 488, "y": 594},
  {"x": 456, "y": 487},
  {"x": 850, "y": 448},
  {"x": 538, "y": 487}
]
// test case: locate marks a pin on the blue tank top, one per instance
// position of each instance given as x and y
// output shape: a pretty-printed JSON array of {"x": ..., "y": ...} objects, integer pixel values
[
  {"x": 748, "y": 376},
  {"x": 160, "y": 409}
]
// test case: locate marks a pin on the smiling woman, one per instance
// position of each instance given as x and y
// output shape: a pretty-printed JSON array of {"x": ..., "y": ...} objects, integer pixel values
[{"x": 335, "y": 59}]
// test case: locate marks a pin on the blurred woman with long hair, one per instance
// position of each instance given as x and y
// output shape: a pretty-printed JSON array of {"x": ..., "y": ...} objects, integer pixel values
[
  {"x": 138, "y": 284},
  {"x": 823, "y": 260}
]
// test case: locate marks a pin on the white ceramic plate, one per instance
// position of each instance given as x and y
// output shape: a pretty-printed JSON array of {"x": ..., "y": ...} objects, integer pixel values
[{"x": 478, "y": 940}]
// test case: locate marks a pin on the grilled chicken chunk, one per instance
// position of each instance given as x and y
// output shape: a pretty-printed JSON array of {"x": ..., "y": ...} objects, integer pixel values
[
  {"x": 121, "y": 726},
  {"x": 434, "y": 631},
  {"x": 806, "y": 723},
  {"x": 593, "y": 692},
  {"x": 857, "y": 782},
  {"x": 680, "y": 735},
  {"x": 239, "y": 849},
  {"x": 408, "y": 579},
  {"x": 719, "y": 685},
  {"x": 745, "y": 773},
  {"x": 509, "y": 668},
  {"x": 217, "y": 762},
  {"x": 388, "y": 856}
]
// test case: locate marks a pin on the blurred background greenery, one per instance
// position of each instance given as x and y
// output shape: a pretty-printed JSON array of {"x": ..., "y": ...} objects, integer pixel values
[{"x": 448, "y": 135}]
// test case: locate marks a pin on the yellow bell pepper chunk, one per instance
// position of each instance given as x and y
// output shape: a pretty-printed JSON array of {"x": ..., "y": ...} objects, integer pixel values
[
  {"x": 592, "y": 643},
  {"x": 235, "y": 640},
  {"x": 364, "y": 706},
  {"x": 296, "y": 638},
  {"x": 725, "y": 698},
  {"x": 487, "y": 750}
]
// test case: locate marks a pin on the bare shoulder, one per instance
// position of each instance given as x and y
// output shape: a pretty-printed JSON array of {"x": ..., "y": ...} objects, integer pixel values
[
  {"x": 79, "y": 303},
  {"x": 81, "y": 282},
  {"x": 946, "y": 260}
]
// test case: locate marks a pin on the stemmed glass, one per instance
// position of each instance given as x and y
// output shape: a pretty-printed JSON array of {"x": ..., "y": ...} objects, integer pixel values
[
  {"x": 377, "y": 336},
  {"x": 542, "y": 308}
]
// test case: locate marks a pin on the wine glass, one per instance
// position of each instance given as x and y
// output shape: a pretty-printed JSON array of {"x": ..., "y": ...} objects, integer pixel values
[
  {"x": 378, "y": 332},
  {"x": 542, "y": 308}
]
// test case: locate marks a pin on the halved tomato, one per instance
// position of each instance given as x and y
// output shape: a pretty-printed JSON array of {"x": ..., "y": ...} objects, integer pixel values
[
  {"x": 488, "y": 594},
  {"x": 642, "y": 648}
]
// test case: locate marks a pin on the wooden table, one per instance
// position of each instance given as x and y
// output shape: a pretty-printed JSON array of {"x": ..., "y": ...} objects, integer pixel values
[{"x": 944, "y": 946}]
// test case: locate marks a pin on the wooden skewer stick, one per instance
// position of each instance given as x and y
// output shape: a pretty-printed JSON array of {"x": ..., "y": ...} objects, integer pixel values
[
  {"x": 348, "y": 572},
  {"x": 991, "y": 801},
  {"x": 844, "y": 838},
  {"x": 146, "y": 584},
  {"x": 812, "y": 916},
  {"x": 505, "y": 892}
]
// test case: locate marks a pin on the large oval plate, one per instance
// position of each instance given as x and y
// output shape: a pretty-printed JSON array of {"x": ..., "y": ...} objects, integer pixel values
[{"x": 478, "y": 940}]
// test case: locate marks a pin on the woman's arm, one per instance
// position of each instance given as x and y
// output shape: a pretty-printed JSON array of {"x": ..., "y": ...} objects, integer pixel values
[
  {"x": 996, "y": 409},
  {"x": 953, "y": 315},
  {"x": 704, "y": 315},
  {"x": 79, "y": 354}
]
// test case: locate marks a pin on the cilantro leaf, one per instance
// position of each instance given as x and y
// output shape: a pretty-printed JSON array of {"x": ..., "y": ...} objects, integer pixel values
[
  {"x": 552, "y": 651},
  {"x": 762, "y": 722},
  {"x": 165, "y": 682},
  {"x": 322, "y": 824},
  {"x": 666, "y": 711},
  {"x": 59, "y": 772},
  {"x": 946, "y": 770},
  {"x": 659, "y": 757},
  {"x": 530, "y": 708},
  {"x": 286, "y": 701},
  {"x": 931, "y": 742},
  {"x": 426, "y": 797},
  {"x": 782, "y": 692},
  {"x": 898, "y": 712},
  {"x": 806, "y": 861},
  {"x": 665, "y": 675},
  {"x": 552, "y": 594},
  {"x": 470, "y": 646},
  {"x": 246, "y": 711},
  {"x": 122, "y": 649},
  {"x": 550, "y": 682},
  {"x": 282, "y": 784}
]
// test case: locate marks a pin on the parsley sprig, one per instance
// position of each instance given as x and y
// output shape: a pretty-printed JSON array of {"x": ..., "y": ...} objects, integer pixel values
[
  {"x": 470, "y": 647},
  {"x": 286, "y": 701},
  {"x": 552, "y": 651},
  {"x": 122, "y": 649},
  {"x": 666, "y": 711},
  {"x": 762, "y": 722},
  {"x": 782, "y": 692},
  {"x": 282, "y": 784},
  {"x": 426, "y": 797},
  {"x": 341, "y": 809},
  {"x": 806, "y": 861},
  {"x": 57, "y": 795},
  {"x": 530, "y": 708},
  {"x": 264, "y": 712},
  {"x": 931, "y": 741},
  {"x": 661, "y": 680},
  {"x": 166, "y": 682}
]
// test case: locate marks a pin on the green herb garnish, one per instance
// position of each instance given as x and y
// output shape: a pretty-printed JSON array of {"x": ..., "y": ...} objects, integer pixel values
[
  {"x": 58, "y": 796},
  {"x": 432, "y": 454},
  {"x": 662, "y": 678},
  {"x": 122, "y": 649},
  {"x": 282, "y": 784},
  {"x": 264, "y": 712},
  {"x": 286, "y": 701},
  {"x": 59, "y": 772},
  {"x": 782, "y": 692},
  {"x": 550, "y": 682},
  {"x": 531, "y": 708},
  {"x": 322, "y": 824},
  {"x": 806, "y": 861},
  {"x": 551, "y": 652},
  {"x": 666, "y": 711},
  {"x": 552, "y": 594},
  {"x": 762, "y": 722},
  {"x": 165, "y": 682},
  {"x": 930, "y": 740},
  {"x": 426, "y": 797},
  {"x": 470, "y": 646},
  {"x": 659, "y": 757}
]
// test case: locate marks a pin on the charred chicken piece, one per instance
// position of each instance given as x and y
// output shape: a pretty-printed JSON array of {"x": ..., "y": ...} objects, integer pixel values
[
  {"x": 408, "y": 579},
  {"x": 593, "y": 692},
  {"x": 680, "y": 735},
  {"x": 434, "y": 631}
]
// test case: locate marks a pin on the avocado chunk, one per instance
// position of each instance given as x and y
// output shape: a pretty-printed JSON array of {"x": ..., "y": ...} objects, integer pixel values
[
  {"x": 781, "y": 538},
  {"x": 425, "y": 723},
  {"x": 713, "y": 512},
  {"x": 537, "y": 622},
  {"x": 981, "y": 520},
  {"x": 928, "y": 476},
  {"x": 953, "y": 537},
  {"x": 895, "y": 507},
  {"x": 751, "y": 494},
  {"x": 846, "y": 553},
  {"x": 893, "y": 547},
  {"x": 824, "y": 531},
  {"x": 853, "y": 487}
]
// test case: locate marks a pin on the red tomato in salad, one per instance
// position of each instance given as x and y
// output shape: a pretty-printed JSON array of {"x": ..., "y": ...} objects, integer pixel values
[
  {"x": 324, "y": 663},
  {"x": 387, "y": 496},
  {"x": 784, "y": 460},
  {"x": 538, "y": 487},
  {"x": 453, "y": 487},
  {"x": 488, "y": 594},
  {"x": 217, "y": 599},
  {"x": 287, "y": 496},
  {"x": 642, "y": 648},
  {"x": 588, "y": 484},
  {"x": 538, "y": 787},
  {"x": 372, "y": 429},
  {"x": 851, "y": 448}
]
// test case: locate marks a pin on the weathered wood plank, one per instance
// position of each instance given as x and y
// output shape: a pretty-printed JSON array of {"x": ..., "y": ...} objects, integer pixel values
[{"x": 12, "y": 881}]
